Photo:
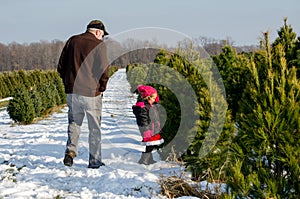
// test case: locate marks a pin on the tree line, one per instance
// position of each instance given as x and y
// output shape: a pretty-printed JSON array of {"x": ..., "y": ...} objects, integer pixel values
[{"x": 44, "y": 55}]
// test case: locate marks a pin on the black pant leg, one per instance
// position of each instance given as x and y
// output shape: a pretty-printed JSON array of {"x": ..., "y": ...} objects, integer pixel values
[{"x": 150, "y": 148}]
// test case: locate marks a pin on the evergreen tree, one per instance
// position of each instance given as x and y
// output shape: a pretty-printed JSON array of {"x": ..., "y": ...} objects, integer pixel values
[
  {"x": 14, "y": 80},
  {"x": 288, "y": 39},
  {"x": 60, "y": 89},
  {"x": 47, "y": 96},
  {"x": 37, "y": 102},
  {"x": 7, "y": 82},
  {"x": 205, "y": 154},
  {"x": 3, "y": 88},
  {"x": 233, "y": 68},
  {"x": 21, "y": 108},
  {"x": 296, "y": 57},
  {"x": 23, "y": 78},
  {"x": 162, "y": 58},
  {"x": 136, "y": 74},
  {"x": 41, "y": 90},
  {"x": 35, "y": 77},
  {"x": 265, "y": 154}
]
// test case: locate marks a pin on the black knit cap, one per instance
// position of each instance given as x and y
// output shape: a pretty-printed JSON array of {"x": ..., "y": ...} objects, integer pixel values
[{"x": 98, "y": 25}]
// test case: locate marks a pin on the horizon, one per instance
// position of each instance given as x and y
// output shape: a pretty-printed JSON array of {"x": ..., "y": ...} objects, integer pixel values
[{"x": 242, "y": 22}]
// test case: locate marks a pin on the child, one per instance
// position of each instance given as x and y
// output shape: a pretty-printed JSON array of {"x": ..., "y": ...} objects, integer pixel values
[{"x": 147, "y": 119}]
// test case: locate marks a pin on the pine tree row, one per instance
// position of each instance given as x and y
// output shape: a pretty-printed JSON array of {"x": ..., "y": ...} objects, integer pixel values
[
  {"x": 257, "y": 152},
  {"x": 33, "y": 94}
]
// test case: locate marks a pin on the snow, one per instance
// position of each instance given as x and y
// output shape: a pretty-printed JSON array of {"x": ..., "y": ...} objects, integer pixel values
[
  {"x": 5, "y": 99},
  {"x": 31, "y": 155}
]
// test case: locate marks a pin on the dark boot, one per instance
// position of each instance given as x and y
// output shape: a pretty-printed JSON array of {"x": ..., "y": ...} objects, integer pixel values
[
  {"x": 151, "y": 160},
  {"x": 96, "y": 166},
  {"x": 68, "y": 160},
  {"x": 146, "y": 158}
]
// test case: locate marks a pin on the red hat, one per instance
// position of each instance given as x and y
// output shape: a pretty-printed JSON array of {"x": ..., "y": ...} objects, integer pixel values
[{"x": 147, "y": 91}]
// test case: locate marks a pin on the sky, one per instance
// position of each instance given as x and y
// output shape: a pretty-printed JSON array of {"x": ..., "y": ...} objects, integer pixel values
[{"x": 27, "y": 21}]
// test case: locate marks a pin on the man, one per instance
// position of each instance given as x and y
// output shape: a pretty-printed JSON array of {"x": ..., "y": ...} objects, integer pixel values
[{"x": 83, "y": 67}]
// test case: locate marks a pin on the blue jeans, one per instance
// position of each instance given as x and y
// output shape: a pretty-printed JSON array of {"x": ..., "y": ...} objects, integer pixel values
[{"x": 79, "y": 106}]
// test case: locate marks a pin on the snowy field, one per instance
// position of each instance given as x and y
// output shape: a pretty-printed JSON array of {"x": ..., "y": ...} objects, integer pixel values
[{"x": 31, "y": 156}]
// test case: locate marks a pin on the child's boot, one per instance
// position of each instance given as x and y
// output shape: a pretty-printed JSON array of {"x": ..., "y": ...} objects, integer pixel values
[{"x": 146, "y": 158}]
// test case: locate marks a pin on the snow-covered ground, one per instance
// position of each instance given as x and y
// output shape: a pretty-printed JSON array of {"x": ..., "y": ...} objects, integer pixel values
[{"x": 31, "y": 155}]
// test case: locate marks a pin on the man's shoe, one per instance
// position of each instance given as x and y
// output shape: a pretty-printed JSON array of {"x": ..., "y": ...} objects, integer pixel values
[
  {"x": 96, "y": 166},
  {"x": 68, "y": 160}
]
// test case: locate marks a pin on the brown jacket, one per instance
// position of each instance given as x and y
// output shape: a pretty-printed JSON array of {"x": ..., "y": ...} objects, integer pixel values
[{"x": 83, "y": 65}]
